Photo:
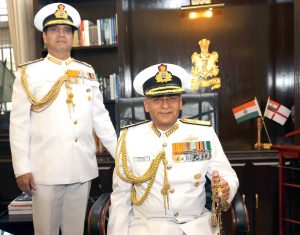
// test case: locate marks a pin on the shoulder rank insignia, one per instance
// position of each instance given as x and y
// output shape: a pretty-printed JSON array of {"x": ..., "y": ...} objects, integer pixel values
[
  {"x": 81, "y": 62},
  {"x": 30, "y": 62},
  {"x": 196, "y": 122},
  {"x": 135, "y": 124}
]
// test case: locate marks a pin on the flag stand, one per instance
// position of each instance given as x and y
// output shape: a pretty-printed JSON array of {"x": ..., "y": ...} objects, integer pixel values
[
  {"x": 260, "y": 145},
  {"x": 258, "y": 124}
]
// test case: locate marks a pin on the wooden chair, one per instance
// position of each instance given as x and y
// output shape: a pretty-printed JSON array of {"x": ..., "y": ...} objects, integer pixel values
[
  {"x": 288, "y": 152},
  {"x": 98, "y": 215}
]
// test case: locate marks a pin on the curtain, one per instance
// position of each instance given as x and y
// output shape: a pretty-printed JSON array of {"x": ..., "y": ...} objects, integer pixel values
[{"x": 22, "y": 30}]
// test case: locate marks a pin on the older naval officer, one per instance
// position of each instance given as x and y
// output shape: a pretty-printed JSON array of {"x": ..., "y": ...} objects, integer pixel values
[
  {"x": 158, "y": 183},
  {"x": 56, "y": 106}
]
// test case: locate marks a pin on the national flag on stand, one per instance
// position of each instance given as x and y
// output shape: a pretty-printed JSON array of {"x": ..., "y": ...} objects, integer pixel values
[
  {"x": 246, "y": 111},
  {"x": 277, "y": 112}
]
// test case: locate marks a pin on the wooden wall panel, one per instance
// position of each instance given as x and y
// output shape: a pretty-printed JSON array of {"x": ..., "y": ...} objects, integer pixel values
[{"x": 254, "y": 40}]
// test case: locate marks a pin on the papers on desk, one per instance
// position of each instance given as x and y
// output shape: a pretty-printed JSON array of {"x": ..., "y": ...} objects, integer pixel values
[{"x": 21, "y": 205}]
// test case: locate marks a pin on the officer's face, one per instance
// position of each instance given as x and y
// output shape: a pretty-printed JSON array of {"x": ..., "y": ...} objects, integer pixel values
[
  {"x": 59, "y": 39},
  {"x": 163, "y": 110}
]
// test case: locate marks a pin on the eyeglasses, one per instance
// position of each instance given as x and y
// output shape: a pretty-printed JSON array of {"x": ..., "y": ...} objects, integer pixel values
[
  {"x": 162, "y": 99},
  {"x": 60, "y": 28}
]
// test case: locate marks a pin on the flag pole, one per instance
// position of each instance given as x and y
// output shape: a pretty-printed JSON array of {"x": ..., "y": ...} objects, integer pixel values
[
  {"x": 263, "y": 120},
  {"x": 264, "y": 124}
]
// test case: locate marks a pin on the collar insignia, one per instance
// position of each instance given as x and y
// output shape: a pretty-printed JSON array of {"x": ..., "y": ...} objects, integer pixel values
[
  {"x": 172, "y": 130},
  {"x": 168, "y": 132},
  {"x": 54, "y": 60},
  {"x": 156, "y": 131},
  {"x": 69, "y": 61},
  {"x": 59, "y": 62}
]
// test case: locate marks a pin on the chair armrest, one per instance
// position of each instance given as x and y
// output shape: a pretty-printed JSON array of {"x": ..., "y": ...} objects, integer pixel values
[
  {"x": 97, "y": 215},
  {"x": 292, "y": 133},
  {"x": 240, "y": 217}
]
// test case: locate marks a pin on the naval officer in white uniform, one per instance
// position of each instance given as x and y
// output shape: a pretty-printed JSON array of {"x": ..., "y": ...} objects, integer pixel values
[
  {"x": 158, "y": 183},
  {"x": 56, "y": 107}
]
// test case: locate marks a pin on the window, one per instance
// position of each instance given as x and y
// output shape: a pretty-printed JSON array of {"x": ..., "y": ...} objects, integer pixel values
[
  {"x": 6, "y": 50},
  {"x": 6, "y": 59}
]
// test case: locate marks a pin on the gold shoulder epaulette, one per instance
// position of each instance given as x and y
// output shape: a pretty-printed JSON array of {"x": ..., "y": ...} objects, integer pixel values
[
  {"x": 81, "y": 62},
  {"x": 135, "y": 124},
  {"x": 30, "y": 62},
  {"x": 196, "y": 122}
]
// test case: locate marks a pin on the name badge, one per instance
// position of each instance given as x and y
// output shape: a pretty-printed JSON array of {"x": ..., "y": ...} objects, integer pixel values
[{"x": 141, "y": 159}]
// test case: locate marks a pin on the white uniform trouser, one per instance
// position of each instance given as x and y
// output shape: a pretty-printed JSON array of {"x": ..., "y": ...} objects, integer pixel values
[
  {"x": 61, "y": 206},
  {"x": 160, "y": 226}
]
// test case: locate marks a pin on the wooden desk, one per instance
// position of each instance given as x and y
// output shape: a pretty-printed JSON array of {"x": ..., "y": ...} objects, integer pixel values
[
  {"x": 286, "y": 152},
  {"x": 16, "y": 224},
  {"x": 253, "y": 169},
  {"x": 23, "y": 224}
]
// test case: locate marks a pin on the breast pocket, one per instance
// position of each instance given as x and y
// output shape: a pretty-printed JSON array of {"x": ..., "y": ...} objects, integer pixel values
[
  {"x": 192, "y": 172},
  {"x": 140, "y": 164},
  {"x": 41, "y": 89}
]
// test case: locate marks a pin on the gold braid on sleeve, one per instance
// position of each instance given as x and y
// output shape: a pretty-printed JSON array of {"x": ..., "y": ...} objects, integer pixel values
[
  {"x": 47, "y": 100},
  {"x": 149, "y": 175}
]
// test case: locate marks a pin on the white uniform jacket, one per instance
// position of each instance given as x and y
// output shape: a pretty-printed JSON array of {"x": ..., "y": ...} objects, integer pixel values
[
  {"x": 186, "y": 174},
  {"x": 57, "y": 144}
]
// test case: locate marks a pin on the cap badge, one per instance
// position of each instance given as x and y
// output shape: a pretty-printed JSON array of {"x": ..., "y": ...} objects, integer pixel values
[
  {"x": 61, "y": 13},
  {"x": 163, "y": 75}
]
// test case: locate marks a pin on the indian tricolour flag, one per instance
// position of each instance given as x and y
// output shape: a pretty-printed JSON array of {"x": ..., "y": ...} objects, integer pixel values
[
  {"x": 277, "y": 112},
  {"x": 246, "y": 111}
]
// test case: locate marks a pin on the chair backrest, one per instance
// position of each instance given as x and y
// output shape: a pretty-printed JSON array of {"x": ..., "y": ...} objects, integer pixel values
[
  {"x": 195, "y": 106},
  {"x": 239, "y": 216},
  {"x": 98, "y": 215}
]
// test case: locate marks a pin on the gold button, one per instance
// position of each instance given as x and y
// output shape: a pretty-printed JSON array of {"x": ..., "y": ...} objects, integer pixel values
[
  {"x": 172, "y": 190},
  {"x": 197, "y": 176},
  {"x": 89, "y": 98},
  {"x": 75, "y": 122},
  {"x": 169, "y": 167},
  {"x": 176, "y": 214},
  {"x": 197, "y": 183},
  {"x": 88, "y": 90},
  {"x": 68, "y": 101},
  {"x": 164, "y": 144},
  {"x": 76, "y": 140}
]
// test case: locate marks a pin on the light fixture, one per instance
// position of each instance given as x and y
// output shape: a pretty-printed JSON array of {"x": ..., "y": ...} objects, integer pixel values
[{"x": 202, "y": 8}]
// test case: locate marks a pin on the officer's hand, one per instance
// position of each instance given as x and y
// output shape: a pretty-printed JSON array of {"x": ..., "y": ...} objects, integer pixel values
[
  {"x": 26, "y": 183},
  {"x": 225, "y": 189}
]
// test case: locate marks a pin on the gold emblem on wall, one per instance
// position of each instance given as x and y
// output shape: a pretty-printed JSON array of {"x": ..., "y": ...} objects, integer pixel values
[{"x": 205, "y": 70}]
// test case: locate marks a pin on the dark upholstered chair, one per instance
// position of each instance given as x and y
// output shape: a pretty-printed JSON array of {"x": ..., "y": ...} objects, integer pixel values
[
  {"x": 195, "y": 106},
  {"x": 98, "y": 215}
]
